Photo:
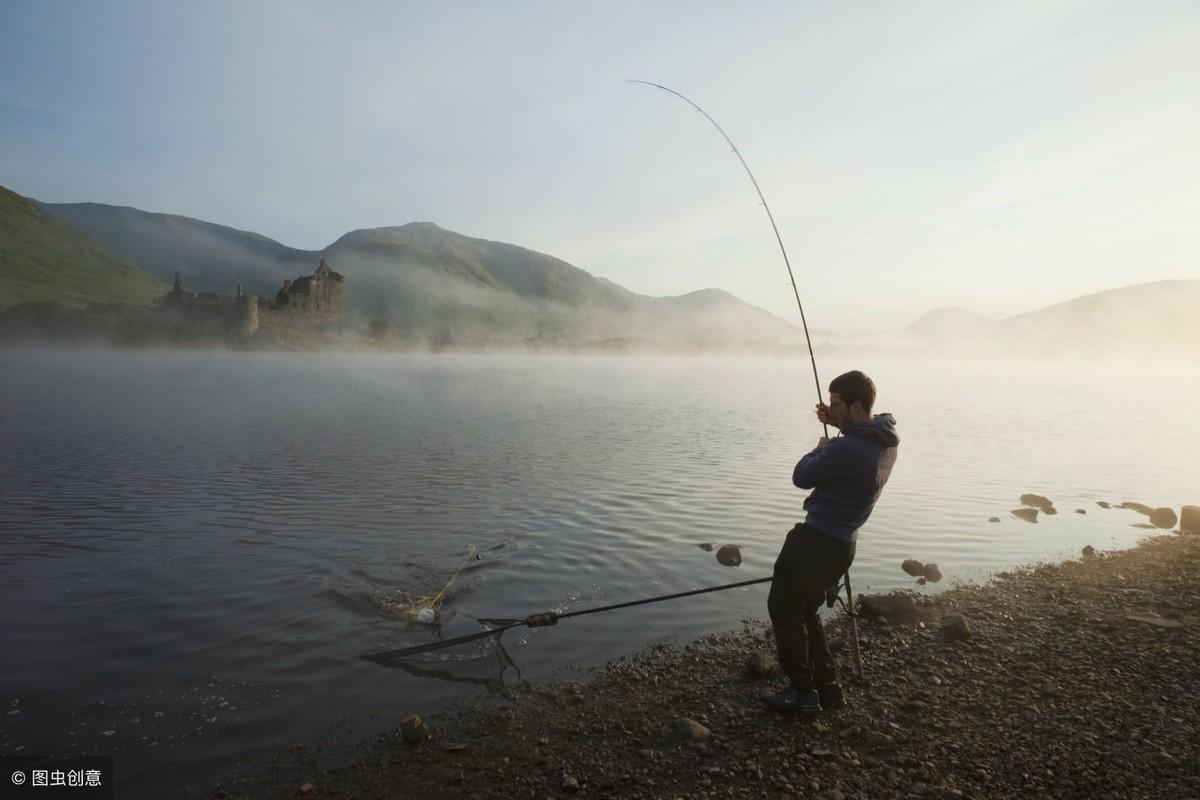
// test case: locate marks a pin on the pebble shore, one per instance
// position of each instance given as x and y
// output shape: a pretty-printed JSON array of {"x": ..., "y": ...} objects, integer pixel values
[{"x": 1077, "y": 680}]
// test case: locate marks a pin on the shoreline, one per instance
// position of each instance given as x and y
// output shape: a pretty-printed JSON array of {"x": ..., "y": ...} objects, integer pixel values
[{"x": 1077, "y": 680}]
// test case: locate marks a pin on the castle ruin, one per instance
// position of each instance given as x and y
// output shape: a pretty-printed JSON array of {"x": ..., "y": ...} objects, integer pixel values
[{"x": 309, "y": 304}]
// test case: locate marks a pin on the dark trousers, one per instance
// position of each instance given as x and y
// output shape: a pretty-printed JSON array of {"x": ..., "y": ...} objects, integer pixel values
[{"x": 809, "y": 563}]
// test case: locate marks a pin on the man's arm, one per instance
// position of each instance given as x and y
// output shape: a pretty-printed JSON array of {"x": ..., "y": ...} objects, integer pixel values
[{"x": 825, "y": 463}]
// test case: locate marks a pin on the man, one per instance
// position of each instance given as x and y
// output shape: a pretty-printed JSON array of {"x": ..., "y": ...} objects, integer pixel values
[{"x": 846, "y": 476}]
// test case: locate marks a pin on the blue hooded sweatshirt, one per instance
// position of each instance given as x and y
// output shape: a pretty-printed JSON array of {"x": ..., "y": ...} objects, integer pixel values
[{"x": 847, "y": 475}]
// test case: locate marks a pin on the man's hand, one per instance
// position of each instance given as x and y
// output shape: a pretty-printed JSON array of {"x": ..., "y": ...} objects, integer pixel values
[
  {"x": 824, "y": 440},
  {"x": 823, "y": 413}
]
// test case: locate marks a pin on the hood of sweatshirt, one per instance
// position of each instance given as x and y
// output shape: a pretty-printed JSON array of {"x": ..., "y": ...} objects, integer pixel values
[{"x": 881, "y": 428}]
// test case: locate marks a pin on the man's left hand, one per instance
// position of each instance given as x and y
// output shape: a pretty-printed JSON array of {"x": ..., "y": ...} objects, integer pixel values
[{"x": 824, "y": 440}]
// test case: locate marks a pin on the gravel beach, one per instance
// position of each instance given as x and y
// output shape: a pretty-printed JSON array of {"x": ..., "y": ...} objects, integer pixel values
[{"x": 1076, "y": 679}]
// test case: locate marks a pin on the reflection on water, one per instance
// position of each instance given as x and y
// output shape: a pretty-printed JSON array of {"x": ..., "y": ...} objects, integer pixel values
[{"x": 200, "y": 541}]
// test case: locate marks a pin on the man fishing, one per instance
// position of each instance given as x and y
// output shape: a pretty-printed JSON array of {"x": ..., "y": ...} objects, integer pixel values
[{"x": 846, "y": 476}]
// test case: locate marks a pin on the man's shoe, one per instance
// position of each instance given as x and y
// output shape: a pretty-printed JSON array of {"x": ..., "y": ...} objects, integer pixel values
[
  {"x": 795, "y": 701},
  {"x": 831, "y": 696}
]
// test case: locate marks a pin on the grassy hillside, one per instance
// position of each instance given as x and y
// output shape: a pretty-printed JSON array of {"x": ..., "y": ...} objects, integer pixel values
[
  {"x": 42, "y": 259},
  {"x": 212, "y": 258}
]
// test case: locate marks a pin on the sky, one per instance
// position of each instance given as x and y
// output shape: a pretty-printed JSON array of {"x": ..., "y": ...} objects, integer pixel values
[{"x": 997, "y": 156}]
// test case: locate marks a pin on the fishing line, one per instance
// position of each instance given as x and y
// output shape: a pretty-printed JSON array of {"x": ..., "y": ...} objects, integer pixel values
[{"x": 774, "y": 227}]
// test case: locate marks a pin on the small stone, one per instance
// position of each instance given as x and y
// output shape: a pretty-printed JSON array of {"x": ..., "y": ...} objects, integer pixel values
[
  {"x": 1089, "y": 552},
  {"x": 306, "y": 788},
  {"x": 729, "y": 555},
  {"x": 570, "y": 784},
  {"x": 761, "y": 664},
  {"x": 932, "y": 573},
  {"x": 837, "y": 644},
  {"x": 955, "y": 628},
  {"x": 1154, "y": 620},
  {"x": 1141, "y": 508},
  {"x": 877, "y": 739},
  {"x": 1163, "y": 518},
  {"x": 1081, "y": 511},
  {"x": 993, "y": 519},
  {"x": 413, "y": 729},
  {"x": 1027, "y": 514},
  {"x": 1103, "y": 504},
  {"x": 686, "y": 728},
  {"x": 707, "y": 547},
  {"x": 912, "y": 567}
]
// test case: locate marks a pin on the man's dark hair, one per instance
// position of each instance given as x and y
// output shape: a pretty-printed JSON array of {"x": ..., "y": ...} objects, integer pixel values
[{"x": 854, "y": 386}]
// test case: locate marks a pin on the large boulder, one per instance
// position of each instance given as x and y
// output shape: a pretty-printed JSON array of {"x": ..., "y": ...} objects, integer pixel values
[
  {"x": 1189, "y": 519},
  {"x": 1163, "y": 518}
]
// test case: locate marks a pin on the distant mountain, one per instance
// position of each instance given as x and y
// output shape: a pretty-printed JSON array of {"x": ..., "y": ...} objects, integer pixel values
[
  {"x": 1149, "y": 321},
  {"x": 42, "y": 259},
  {"x": 1145, "y": 321},
  {"x": 949, "y": 321},
  {"x": 430, "y": 283},
  {"x": 212, "y": 258}
]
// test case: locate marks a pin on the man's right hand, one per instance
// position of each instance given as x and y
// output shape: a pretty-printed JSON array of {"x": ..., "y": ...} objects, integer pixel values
[{"x": 823, "y": 413}]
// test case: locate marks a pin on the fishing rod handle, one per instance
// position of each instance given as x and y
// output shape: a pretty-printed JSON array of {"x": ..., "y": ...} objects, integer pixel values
[{"x": 541, "y": 620}]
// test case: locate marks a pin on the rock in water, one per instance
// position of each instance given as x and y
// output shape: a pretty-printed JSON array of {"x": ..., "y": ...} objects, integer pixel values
[
  {"x": 1163, "y": 518},
  {"x": 954, "y": 627},
  {"x": 1027, "y": 514},
  {"x": 1189, "y": 519},
  {"x": 1141, "y": 508},
  {"x": 1037, "y": 501},
  {"x": 426, "y": 616},
  {"x": 993, "y": 519},
  {"x": 707, "y": 547},
  {"x": 932, "y": 573},
  {"x": 1103, "y": 504},
  {"x": 913, "y": 567},
  {"x": 729, "y": 555}
]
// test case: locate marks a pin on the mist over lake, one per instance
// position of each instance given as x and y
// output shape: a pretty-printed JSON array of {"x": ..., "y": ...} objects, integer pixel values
[{"x": 195, "y": 547}]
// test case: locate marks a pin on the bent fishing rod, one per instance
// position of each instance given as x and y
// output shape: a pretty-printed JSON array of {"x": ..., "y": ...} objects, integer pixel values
[{"x": 770, "y": 216}]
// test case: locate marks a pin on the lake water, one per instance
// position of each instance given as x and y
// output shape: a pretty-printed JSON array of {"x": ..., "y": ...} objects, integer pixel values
[{"x": 196, "y": 547}]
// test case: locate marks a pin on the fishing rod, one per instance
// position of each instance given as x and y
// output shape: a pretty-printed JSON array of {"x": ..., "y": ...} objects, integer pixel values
[
  {"x": 541, "y": 620},
  {"x": 849, "y": 605},
  {"x": 774, "y": 227}
]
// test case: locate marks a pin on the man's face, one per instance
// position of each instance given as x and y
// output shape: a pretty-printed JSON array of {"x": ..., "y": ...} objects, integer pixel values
[{"x": 839, "y": 414}]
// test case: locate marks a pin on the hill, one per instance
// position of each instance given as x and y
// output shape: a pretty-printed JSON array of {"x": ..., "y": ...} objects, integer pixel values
[
  {"x": 1144, "y": 321},
  {"x": 42, "y": 259},
  {"x": 432, "y": 284},
  {"x": 213, "y": 258},
  {"x": 436, "y": 283},
  {"x": 1149, "y": 321}
]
